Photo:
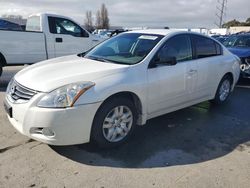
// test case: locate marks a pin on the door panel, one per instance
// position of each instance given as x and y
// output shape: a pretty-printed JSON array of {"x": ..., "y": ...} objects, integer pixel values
[
  {"x": 167, "y": 87},
  {"x": 171, "y": 86},
  {"x": 207, "y": 54},
  {"x": 207, "y": 75},
  {"x": 67, "y": 44},
  {"x": 69, "y": 38}
]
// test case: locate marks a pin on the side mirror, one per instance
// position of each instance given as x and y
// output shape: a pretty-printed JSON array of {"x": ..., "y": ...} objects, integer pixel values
[{"x": 84, "y": 34}]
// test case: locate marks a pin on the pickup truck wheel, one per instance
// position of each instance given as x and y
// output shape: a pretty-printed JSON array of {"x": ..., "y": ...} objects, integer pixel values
[
  {"x": 2, "y": 63},
  {"x": 223, "y": 90},
  {"x": 114, "y": 123}
]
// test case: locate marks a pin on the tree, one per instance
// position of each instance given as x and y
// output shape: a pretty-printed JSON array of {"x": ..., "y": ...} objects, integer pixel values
[
  {"x": 235, "y": 22},
  {"x": 88, "y": 22},
  {"x": 231, "y": 23},
  {"x": 98, "y": 20},
  {"x": 248, "y": 20},
  {"x": 102, "y": 19}
]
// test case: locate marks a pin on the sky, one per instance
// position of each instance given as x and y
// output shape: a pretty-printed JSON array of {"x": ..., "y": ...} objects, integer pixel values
[{"x": 135, "y": 13}]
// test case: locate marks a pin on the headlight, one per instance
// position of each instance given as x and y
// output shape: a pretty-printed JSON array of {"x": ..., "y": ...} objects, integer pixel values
[
  {"x": 65, "y": 96},
  {"x": 247, "y": 60},
  {"x": 9, "y": 86}
]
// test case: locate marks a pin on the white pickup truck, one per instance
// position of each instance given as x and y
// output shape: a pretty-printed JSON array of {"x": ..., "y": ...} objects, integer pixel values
[{"x": 46, "y": 36}]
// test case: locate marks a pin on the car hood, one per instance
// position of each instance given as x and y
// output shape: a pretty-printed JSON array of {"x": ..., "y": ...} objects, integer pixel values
[
  {"x": 52, "y": 74},
  {"x": 240, "y": 52}
]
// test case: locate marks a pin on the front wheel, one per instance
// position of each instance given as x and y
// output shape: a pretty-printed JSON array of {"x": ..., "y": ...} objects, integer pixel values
[
  {"x": 1, "y": 70},
  {"x": 223, "y": 90},
  {"x": 114, "y": 122}
]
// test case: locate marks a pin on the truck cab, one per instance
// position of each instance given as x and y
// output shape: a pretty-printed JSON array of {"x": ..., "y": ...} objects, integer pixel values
[
  {"x": 64, "y": 36},
  {"x": 46, "y": 36}
]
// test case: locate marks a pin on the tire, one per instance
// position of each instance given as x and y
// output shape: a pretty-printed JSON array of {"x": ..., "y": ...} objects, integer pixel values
[
  {"x": 1, "y": 70},
  {"x": 114, "y": 123},
  {"x": 224, "y": 90},
  {"x": 2, "y": 63}
]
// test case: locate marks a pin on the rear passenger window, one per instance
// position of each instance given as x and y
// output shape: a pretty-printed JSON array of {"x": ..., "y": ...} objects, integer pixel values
[
  {"x": 205, "y": 47},
  {"x": 33, "y": 24}
]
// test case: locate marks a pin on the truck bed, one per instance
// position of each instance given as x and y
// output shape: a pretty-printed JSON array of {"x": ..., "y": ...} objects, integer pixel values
[{"x": 22, "y": 47}]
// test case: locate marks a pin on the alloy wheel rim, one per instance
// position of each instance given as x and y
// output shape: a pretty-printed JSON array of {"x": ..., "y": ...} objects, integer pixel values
[
  {"x": 117, "y": 124},
  {"x": 225, "y": 90}
]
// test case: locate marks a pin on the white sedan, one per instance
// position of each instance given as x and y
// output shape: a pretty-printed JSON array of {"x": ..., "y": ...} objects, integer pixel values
[{"x": 103, "y": 94}]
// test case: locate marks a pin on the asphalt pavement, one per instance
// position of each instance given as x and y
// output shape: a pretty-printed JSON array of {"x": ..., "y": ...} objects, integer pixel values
[
  {"x": 8, "y": 73},
  {"x": 200, "y": 146}
]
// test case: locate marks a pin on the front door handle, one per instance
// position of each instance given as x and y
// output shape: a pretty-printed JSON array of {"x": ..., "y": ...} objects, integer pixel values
[
  {"x": 59, "y": 40},
  {"x": 192, "y": 71}
]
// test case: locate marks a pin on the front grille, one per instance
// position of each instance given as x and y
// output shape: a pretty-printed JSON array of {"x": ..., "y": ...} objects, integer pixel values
[{"x": 19, "y": 93}]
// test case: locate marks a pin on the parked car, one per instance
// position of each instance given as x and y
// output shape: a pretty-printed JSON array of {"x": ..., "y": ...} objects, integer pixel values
[
  {"x": 240, "y": 45},
  {"x": 46, "y": 36},
  {"x": 6, "y": 25},
  {"x": 107, "y": 33},
  {"x": 117, "y": 32},
  {"x": 101, "y": 95},
  {"x": 102, "y": 33},
  {"x": 221, "y": 38}
]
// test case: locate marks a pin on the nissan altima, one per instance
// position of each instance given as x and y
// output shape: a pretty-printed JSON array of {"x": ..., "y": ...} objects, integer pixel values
[{"x": 100, "y": 96}]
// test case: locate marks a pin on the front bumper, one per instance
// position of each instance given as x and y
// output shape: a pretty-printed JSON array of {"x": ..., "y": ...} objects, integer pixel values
[
  {"x": 69, "y": 125},
  {"x": 245, "y": 68},
  {"x": 244, "y": 75}
]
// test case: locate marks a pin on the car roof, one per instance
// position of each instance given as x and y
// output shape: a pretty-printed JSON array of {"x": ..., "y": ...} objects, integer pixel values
[
  {"x": 164, "y": 32},
  {"x": 241, "y": 34}
]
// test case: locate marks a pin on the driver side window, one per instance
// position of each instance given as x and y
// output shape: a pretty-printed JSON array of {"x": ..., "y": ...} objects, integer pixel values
[
  {"x": 66, "y": 27},
  {"x": 178, "y": 46}
]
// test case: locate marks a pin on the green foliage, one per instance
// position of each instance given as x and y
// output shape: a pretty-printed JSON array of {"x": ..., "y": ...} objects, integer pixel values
[
  {"x": 248, "y": 20},
  {"x": 235, "y": 22}
]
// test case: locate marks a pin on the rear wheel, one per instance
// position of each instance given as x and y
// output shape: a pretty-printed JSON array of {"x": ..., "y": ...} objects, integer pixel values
[
  {"x": 223, "y": 90},
  {"x": 114, "y": 123}
]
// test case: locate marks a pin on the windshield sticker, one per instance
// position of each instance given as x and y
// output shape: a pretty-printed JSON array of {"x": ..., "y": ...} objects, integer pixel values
[{"x": 148, "y": 37}]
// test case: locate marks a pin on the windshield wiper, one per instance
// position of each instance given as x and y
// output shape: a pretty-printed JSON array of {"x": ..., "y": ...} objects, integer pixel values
[
  {"x": 105, "y": 60},
  {"x": 82, "y": 54},
  {"x": 100, "y": 59}
]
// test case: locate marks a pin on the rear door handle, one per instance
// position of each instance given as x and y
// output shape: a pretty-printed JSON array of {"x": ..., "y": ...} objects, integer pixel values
[{"x": 59, "y": 40}]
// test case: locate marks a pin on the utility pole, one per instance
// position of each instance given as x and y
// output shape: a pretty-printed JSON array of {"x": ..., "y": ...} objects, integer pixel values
[{"x": 221, "y": 12}]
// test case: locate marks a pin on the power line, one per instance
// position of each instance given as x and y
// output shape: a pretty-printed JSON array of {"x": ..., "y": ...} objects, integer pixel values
[{"x": 221, "y": 12}]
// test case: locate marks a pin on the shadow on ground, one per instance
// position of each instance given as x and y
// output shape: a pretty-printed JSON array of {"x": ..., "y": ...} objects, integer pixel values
[
  {"x": 192, "y": 135},
  {"x": 3, "y": 84},
  {"x": 8, "y": 73}
]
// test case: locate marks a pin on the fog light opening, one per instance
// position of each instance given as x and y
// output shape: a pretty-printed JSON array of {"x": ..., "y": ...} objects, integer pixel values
[
  {"x": 44, "y": 131},
  {"x": 48, "y": 132},
  {"x": 36, "y": 130}
]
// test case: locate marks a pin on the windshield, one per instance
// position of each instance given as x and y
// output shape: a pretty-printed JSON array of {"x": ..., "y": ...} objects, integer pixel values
[
  {"x": 127, "y": 48},
  {"x": 238, "y": 41}
]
